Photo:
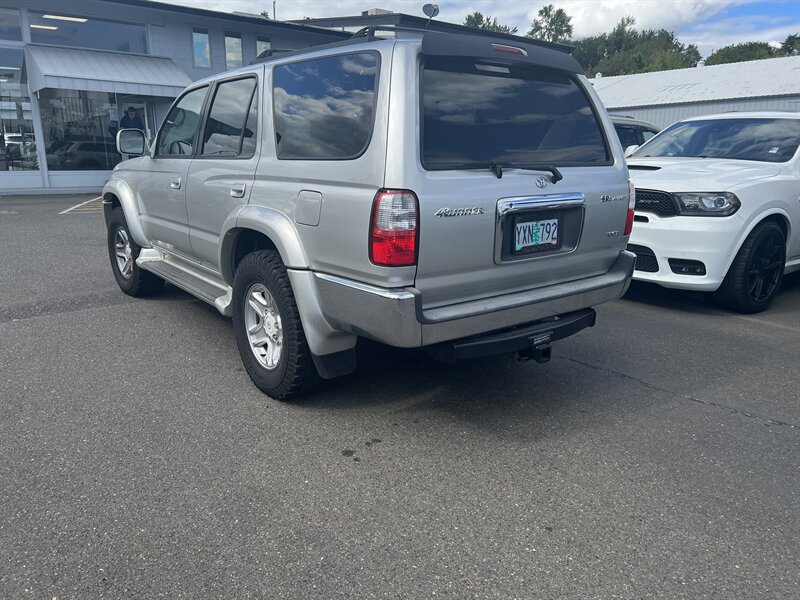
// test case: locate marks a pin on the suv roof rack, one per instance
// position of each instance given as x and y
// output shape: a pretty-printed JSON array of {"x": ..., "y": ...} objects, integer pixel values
[{"x": 369, "y": 32}]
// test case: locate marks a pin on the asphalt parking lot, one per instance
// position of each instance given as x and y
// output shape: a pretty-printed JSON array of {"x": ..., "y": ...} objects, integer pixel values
[{"x": 656, "y": 455}]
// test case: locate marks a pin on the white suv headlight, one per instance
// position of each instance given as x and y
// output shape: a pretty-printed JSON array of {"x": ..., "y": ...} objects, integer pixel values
[{"x": 707, "y": 204}]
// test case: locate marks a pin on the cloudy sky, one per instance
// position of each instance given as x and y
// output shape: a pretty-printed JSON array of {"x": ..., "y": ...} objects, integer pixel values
[{"x": 708, "y": 23}]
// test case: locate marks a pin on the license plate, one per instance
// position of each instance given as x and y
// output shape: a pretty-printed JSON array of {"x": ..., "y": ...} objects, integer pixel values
[{"x": 535, "y": 235}]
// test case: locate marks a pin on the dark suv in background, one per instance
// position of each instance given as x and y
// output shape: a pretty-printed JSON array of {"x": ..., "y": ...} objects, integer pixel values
[{"x": 631, "y": 131}]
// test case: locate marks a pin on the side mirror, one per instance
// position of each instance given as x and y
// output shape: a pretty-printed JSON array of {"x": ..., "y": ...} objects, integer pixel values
[
  {"x": 628, "y": 151},
  {"x": 131, "y": 142}
]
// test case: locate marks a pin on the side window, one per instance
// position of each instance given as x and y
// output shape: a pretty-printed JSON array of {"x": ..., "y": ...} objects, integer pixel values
[
  {"x": 250, "y": 128},
  {"x": 325, "y": 107},
  {"x": 177, "y": 133},
  {"x": 648, "y": 133},
  {"x": 230, "y": 129},
  {"x": 627, "y": 135}
]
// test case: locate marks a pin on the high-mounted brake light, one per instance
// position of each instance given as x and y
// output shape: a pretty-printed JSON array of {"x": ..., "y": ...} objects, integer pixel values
[
  {"x": 631, "y": 208},
  {"x": 509, "y": 49},
  {"x": 393, "y": 228}
]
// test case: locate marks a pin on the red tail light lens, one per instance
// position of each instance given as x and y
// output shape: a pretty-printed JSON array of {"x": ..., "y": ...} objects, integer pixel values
[
  {"x": 631, "y": 207},
  {"x": 393, "y": 229}
]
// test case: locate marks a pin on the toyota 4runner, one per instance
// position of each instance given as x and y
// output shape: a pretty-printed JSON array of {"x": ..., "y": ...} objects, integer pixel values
[{"x": 461, "y": 193}]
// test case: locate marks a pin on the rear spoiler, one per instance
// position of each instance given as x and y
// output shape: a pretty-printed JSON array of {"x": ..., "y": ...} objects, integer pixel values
[{"x": 474, "y": 46}]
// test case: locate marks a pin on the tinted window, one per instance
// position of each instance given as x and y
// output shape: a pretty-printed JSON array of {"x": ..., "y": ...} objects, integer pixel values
[
  {"x": 250, "y": 128},
  {"x": 177, "y": 133},
  {"x": 201, "y": 48},
  {"x": 475, "y": 114},
  {"x": 648, "y": 133},
  {"x": 768, "y": 140},
  {"x": 226, "y": 119},
  {"x": 87, "y": 33},
  {"x": 627, "y": 135},
  {"x": 325, "y": 108}
]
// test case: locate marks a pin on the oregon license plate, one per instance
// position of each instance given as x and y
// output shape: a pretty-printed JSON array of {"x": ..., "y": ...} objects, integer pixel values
[{"x": 536, "y": 235}]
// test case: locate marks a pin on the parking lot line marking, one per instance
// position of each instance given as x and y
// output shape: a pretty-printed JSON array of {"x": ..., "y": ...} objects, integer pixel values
[{"x": 72, "y": 208}]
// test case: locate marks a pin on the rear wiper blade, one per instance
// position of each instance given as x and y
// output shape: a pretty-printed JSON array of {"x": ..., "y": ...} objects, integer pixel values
[{"x": 497, "y": 169}]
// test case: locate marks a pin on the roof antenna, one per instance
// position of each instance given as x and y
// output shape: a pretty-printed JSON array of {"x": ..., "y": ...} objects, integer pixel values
[{"x": 430, "y": 10}]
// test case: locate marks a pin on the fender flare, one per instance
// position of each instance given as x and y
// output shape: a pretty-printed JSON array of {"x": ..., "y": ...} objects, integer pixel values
[
  {"x": 271, "y": 223},
  {"x": 127, "y": 199},
  {"x": 755, "y": 222}
]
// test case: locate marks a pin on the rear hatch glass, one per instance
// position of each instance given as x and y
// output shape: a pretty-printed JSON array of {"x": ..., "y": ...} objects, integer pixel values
[{"x": 475, "y": 114}]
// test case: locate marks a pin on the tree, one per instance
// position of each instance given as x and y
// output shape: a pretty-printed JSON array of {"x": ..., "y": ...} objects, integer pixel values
[
  {"x": 742, "y": 52},
  {"x": 791, "y": 45},
  {"x": 553, "y": 25},
  {"x": 487, "y": 23},
  {"x": 625, "y": 50}
]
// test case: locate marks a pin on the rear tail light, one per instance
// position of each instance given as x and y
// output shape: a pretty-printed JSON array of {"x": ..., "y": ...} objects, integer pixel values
[
  {"x": 393, "y": 228},
  {"x": 631, "y": 207}
]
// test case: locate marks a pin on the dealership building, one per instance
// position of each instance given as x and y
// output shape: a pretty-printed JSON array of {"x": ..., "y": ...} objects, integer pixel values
[{"x": 69, "y": 70}]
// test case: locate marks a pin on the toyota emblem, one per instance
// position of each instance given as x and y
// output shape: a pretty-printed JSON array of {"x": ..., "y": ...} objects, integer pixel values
[{"x": 541, "y": 182}]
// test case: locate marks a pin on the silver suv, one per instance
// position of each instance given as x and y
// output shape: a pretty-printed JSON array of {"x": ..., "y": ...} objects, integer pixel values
[{"x": 460, "y": 193}]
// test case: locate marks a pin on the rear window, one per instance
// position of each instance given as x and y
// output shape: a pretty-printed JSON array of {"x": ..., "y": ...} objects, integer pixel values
[
  {"x": 325, "y": 107},
  {"x": 475, "y": 114}
]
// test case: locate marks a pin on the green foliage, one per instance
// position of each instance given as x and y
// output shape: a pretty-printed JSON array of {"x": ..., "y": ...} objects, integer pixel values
[
  {"x": 553, "y": 25},
  {"x": 487, "y": 23},
  {"x": 741, "y": 53},
  {"x": 791, "y": 45},
  {"x": 626, "y": 50}
]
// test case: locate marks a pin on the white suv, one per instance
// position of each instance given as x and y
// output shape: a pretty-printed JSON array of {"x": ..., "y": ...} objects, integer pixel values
[{"x": 718, "y": 206}]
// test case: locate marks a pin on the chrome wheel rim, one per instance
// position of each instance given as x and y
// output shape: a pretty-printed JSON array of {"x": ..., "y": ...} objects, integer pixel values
[
  {"x": 766, "y": 268},
  {"x": 264, "y": 328},
  {"x": 124, "y": 253}
]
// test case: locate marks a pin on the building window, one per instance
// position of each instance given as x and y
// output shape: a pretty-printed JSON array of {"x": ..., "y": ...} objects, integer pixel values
[
  {"x": 79, "y": 129},
  {"x": 325, "y": 107},
  {"x": 233, "y": 50},
  {"x": 262, "y": 45},
  {"x": 201, "y": 48},
  {"x": 82, "y": 32},
  {"x": 10, "y": 28},
  {"x": 17, "y": 141}
]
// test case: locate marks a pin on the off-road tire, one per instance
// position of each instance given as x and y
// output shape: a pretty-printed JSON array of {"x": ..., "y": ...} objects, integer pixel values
[
  {"x": 140, "y": 282},
  {"x": 736, "y": 291},
  {"x": 295, "y": 373}
]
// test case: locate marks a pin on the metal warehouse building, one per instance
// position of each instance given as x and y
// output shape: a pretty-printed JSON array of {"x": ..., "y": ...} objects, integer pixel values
[{"x": 664, "y": 97}]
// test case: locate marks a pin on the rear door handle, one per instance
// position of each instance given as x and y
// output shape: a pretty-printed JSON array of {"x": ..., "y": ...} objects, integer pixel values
[
  {"x": 237, "y": 190},
  {"x": 175, "y": 183}
]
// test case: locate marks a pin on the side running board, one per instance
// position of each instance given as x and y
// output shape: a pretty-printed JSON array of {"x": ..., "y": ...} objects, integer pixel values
[{"x": 182, "y": 275}]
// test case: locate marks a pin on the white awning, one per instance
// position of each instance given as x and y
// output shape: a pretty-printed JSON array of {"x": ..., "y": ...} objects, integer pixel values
[{"x": 102, "y": 71}]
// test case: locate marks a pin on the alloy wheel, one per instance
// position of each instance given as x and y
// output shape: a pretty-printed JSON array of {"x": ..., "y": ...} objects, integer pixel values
[{"x": 262, "y": 320}]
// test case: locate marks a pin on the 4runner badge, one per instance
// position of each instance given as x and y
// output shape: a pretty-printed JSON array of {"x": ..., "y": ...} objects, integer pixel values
[{"x": 459, "y": 212}]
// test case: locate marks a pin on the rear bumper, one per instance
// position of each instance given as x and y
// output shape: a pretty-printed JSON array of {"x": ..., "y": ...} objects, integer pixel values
[{"x": 395, "y": 316}]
